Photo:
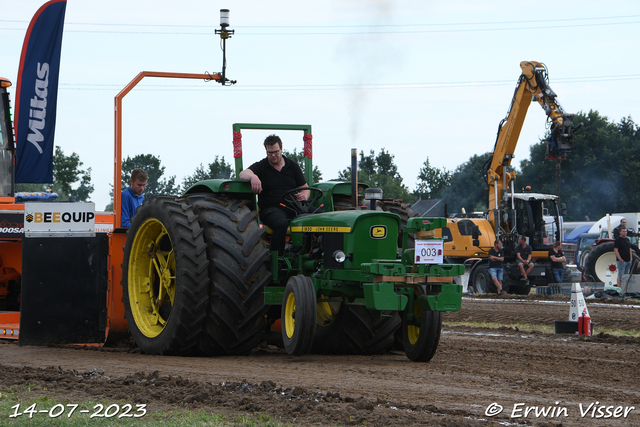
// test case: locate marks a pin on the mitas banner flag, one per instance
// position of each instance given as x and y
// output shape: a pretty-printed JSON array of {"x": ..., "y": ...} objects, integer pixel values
[{"x": 37, "y": 94}]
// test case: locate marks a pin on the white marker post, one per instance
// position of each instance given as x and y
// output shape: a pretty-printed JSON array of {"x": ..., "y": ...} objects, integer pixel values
[
  {"x": 608, "y": 279},
  {"x": 578, "y": 304}
]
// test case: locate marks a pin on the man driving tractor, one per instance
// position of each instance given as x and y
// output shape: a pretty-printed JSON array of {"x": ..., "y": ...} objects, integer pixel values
[{"x": 270, "y": 179}]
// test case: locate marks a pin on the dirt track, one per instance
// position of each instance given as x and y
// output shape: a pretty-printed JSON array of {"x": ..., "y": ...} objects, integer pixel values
[{"x": 474, "y": 370}]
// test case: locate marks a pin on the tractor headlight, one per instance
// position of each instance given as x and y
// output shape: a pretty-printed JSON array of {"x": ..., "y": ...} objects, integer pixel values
[{"x": 339, "y": 256}]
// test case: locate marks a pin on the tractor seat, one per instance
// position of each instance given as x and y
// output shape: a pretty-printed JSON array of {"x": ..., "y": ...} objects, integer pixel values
[{"x": 270, "y": 231}]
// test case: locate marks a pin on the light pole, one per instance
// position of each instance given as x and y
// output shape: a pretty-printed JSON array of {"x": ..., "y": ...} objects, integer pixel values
[{"x": 225, "y": 34}]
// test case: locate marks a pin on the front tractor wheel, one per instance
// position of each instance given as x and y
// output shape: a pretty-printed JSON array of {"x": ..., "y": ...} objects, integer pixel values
[
  {"x": 164, "y": 278},
  {"x": 422, "y": 334},
  {"x": 405, "y": 212},
  {"x": 299, "y": 312}
]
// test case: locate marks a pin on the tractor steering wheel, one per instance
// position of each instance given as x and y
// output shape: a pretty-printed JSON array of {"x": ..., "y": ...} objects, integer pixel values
[{"x": 301, "y": 207}]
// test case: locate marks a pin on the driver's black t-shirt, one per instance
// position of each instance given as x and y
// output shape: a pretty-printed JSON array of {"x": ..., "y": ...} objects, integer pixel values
[{"x": 275, "y": 183}]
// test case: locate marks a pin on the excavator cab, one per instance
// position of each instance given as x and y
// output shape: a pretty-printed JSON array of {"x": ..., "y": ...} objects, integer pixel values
[{"x": 535, "y": 216}]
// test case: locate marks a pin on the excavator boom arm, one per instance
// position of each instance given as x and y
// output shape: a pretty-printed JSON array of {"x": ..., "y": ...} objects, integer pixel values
[{"x": 532, "y": 86}]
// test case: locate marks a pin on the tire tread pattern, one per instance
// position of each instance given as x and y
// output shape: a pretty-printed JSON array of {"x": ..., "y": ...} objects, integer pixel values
[
  {"x": 356, "y": 330},
  {"x": 238, "y": 274},
  {"x": 427, "y": 344},
  {"x": 183, "y": 330},
  {"x": 305, "y": 315},
  {"x": 405, "y": 212}
]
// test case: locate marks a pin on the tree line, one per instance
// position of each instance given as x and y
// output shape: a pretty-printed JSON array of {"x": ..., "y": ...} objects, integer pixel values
[
  {"x": 597, "y": 177},
  {"x": 70, "y": 180}
]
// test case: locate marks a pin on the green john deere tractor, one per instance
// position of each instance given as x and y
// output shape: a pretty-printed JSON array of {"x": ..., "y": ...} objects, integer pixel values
[{"x": 199, "y": 278}]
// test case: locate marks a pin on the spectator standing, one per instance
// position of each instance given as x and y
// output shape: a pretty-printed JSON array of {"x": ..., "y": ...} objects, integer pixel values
[
  {"x": 557, "y": 259},
  {"x": 616, "y": 231},
  {"x": 496, "y": 268},
  {"x": 132, "y": 197},
  {"x": 622, "y": 249}
]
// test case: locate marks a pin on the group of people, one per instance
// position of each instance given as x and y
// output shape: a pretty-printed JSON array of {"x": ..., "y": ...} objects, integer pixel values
[
  {"x": 621, "y": 247},
  {"x": 524, "y": 252},
  {"x": 270, "y": 179}
]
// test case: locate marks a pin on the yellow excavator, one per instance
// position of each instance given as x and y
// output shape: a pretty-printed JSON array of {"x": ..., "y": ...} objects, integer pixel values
[{"x": 537, "y": 217}]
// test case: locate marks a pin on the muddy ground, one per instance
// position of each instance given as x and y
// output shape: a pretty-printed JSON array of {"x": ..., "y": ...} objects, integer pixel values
[{"x": 477, "y": 372}]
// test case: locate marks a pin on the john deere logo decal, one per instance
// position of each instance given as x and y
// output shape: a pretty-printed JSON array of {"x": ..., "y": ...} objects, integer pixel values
[{"x": 378, "y": 232}]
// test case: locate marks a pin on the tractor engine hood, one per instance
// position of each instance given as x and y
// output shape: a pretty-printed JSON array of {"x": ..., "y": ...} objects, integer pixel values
[
  {"x": 342, "y": 221},
  {"x": 361, "y": 235}
]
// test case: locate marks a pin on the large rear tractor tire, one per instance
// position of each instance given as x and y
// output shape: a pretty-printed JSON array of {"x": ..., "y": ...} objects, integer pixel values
[
  {"x": 342, "y": 202},
  {"x": 422, "y": 335},
  {"x": 238, "y": 272},
  {"x": 600, "y": 260},
  {"x": 164, "y": 277},
  {"x": 405, "y": 212},
  {"x": 299, "y": 313},
  {"x": 353, "y": 329}
]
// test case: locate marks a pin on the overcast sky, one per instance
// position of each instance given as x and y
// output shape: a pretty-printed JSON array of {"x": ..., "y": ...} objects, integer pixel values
[{"x": 420, "y": 78}]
